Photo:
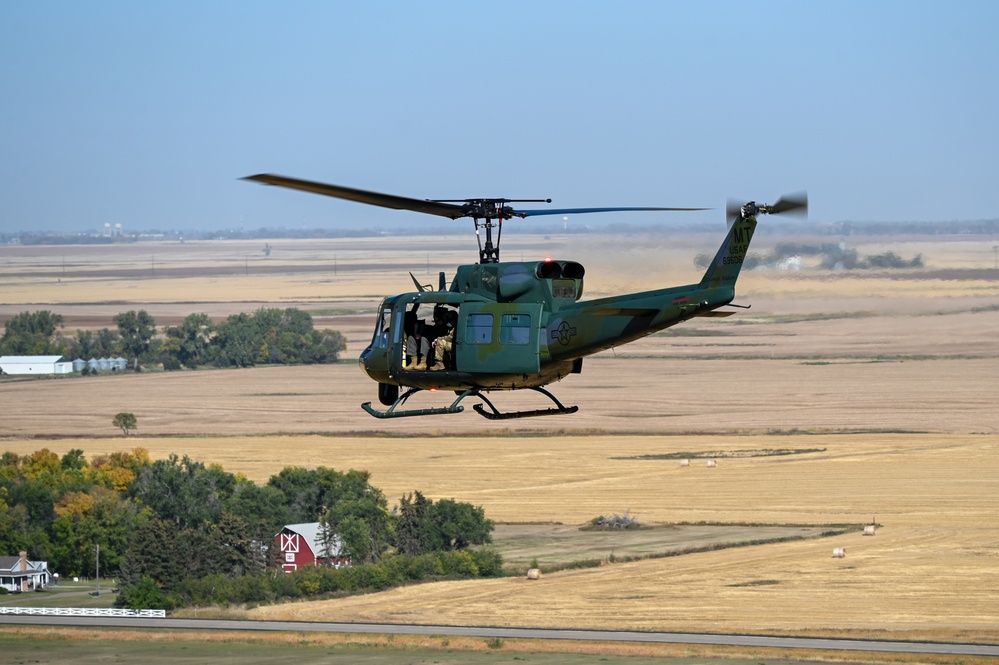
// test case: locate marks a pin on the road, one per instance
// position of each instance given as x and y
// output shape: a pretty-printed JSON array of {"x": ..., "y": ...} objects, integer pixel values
[{"x": 516, "y": 633}]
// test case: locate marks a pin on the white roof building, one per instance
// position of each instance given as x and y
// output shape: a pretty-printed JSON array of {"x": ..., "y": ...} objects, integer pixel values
[{"x": 35, "y": 365}]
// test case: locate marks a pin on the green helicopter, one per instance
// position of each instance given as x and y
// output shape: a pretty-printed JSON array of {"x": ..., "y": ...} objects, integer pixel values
[{"x": 520, "y": 325}]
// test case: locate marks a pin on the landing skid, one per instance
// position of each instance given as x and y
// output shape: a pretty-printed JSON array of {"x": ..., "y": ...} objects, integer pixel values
[
  {"x": 391, "y": 412},
  {"x": 493, "y": 414},
  {"x": 496, "y": 414}
]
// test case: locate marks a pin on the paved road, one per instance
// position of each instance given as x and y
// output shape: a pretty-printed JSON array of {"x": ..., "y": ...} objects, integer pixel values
[{"x": 515, "y": 633}]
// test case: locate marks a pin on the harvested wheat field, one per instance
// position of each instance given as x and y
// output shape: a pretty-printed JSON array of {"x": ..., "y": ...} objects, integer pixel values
[{"x": 879, "y": 392}]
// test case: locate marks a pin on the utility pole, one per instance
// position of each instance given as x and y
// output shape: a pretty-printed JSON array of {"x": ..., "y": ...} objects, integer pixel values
[{"x": 98, "y": 570}]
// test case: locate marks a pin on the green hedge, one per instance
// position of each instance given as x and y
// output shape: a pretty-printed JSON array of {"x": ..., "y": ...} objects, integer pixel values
[{"x": 275, "y": 586}]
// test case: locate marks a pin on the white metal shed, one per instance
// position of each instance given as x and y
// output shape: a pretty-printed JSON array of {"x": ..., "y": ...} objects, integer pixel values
[{"x": 35, "y": 365}]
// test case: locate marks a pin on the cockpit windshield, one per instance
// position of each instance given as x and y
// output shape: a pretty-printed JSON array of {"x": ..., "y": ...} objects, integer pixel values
[{"x": 380, "y": 340}]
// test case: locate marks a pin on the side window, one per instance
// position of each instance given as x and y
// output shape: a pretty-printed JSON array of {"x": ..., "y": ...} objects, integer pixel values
[
  {"x": 515, "y": 329},
  {"x": 479, "y": 329},
  {"x": 564, "y": 288}
]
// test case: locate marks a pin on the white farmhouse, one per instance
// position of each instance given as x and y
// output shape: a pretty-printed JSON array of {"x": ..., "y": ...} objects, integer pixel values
[{"x": 17, "y": 574}]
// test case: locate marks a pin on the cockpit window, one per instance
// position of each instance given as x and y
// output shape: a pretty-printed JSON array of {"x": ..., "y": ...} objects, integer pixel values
[{"x": 382, "y": 329}]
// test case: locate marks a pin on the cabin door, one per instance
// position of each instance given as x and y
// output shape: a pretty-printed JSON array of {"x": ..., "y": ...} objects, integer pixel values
[{"x": 499, "y": 338}]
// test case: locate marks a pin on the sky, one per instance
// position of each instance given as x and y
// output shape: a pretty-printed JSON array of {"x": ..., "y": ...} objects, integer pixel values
[{"x": 147, "y": 114}]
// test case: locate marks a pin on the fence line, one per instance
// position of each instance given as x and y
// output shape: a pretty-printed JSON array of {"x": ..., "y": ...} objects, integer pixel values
[{"x": 85, "y": 612}]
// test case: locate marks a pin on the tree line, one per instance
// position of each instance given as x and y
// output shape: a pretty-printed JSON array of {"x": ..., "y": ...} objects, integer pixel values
[
  {"x": 171, "y": 530},
  {"x": 266, "y": 336}
]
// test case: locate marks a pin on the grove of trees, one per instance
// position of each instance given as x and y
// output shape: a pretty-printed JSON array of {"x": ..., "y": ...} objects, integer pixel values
[
  {"x": 266, "y": 336},
  {"x": 175, "y": 531}
]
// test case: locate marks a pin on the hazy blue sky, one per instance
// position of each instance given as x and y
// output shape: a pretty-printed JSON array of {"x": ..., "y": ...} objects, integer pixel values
[{"x": 147, "y": 113}]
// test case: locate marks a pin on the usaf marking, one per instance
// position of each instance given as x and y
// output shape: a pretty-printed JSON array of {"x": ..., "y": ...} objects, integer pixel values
[{"x": 563, "y": 333}]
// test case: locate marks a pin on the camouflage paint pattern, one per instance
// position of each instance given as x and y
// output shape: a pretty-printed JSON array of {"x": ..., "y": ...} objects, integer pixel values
[{"x": 521, "y": 324}]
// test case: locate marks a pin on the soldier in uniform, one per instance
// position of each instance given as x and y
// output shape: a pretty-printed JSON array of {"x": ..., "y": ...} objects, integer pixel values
[{"x": 442, "y": 348}]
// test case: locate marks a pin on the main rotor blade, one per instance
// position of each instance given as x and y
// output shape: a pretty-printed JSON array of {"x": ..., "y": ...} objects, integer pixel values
[
  {"x": 361, "y": 196},
  {"x": 575, "y": 211}
]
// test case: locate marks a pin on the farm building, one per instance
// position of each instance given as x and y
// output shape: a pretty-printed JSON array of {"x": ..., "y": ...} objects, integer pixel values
[
  {"x": 35, "y": 365},
  {"x": 18, "y": 574},
  {"x": 301, "y": 545},
  {"x": 102, "y": 364}
]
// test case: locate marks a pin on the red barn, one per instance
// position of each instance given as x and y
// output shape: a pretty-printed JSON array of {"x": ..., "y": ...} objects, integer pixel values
[{"x": 301, "y": 545}]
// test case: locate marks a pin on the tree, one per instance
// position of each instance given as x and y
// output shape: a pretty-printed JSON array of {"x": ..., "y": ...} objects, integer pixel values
[
  {"x": 89, "y": 344},
  {"x": 31, "y": 334},
  {"x": 155, "y": 550},
  {"x": 189, "y": 341},
  {"x": 184, "y": 491},
  {"x": 74, "y": 459},
  {"x": 460, "y": 524},
  {"x": 85, "y": 520},
  {"x": 299, "y": 488},
  {"x": 137, "y": 329},
  {"x": 426, "y": 526},
  {"x": 230, "y": 546},
  {"x": 411, "y": 530},
  {"x": 272, "y": 335},
  {"x": 357, "y": 512},
  {"x": 262, "y": 507},
  {"x": 125, "y": 421}
]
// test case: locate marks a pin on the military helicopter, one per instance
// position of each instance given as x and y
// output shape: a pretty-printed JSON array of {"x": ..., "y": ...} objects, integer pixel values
[{"x": 520, "y": 325}]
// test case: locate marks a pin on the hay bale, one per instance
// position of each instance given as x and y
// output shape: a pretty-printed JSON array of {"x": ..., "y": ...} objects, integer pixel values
[
  {"x": 839, "y": 552},
  {"x": 685, "y": 462},
  {"x": 534, "y": 574},
  {"x": 869, "y": 530},
  {"x": 711, "y": 462}
]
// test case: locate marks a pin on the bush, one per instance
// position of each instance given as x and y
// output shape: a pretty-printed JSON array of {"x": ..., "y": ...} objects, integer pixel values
[
  {"x": 145, "y": 595},
  {"x": 460, "y": 563},
  {"x": 489, "y": 562}
]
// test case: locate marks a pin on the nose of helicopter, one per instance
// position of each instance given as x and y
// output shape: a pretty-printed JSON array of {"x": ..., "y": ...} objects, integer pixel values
[
  {"x": 362, "y": 360},
  {"x": 374, "y": 362}
]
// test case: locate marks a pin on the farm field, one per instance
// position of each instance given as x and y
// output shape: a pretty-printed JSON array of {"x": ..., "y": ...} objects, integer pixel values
[{"x": 880, "y": 387}]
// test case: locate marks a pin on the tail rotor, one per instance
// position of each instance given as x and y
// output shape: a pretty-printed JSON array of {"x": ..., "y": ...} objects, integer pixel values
[{"x": 795, "y": 204}]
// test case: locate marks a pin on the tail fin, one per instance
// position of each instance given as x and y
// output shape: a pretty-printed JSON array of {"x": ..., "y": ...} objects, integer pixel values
[{"x": 724, "y": 268}]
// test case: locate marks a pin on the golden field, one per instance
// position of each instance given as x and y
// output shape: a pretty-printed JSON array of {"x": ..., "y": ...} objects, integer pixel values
[{"x": 888, "y": 379}]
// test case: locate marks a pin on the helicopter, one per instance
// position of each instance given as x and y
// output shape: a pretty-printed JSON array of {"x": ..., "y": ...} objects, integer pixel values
[{"x": 520, "y": 325}]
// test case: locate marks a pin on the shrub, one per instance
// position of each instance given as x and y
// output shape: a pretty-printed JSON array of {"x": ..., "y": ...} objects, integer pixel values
[{"x": 145, "y": 596}]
